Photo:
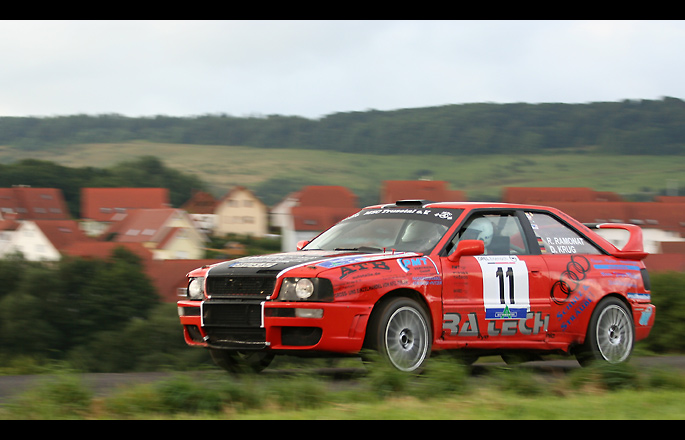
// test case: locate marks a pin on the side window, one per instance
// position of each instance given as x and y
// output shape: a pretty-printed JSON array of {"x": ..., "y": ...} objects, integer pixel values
[
  {"x": 501, "y": 234},
  {"x": 555, "y": 237}
]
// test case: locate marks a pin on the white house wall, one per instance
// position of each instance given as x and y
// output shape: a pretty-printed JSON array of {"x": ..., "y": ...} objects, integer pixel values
[{"x": 32, "y": 243}]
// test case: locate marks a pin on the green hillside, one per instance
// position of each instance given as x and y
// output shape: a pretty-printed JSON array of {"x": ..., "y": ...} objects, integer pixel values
[{"x": 273, "y": 173}]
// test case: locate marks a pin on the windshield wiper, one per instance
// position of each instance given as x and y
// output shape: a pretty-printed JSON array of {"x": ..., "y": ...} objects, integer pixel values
[{"x": 369, "y": 249}]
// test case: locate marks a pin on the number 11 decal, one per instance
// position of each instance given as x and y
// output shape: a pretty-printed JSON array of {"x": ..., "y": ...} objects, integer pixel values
[
  {"x": 510, "y": 278},
  {"x": 505, "y": 287}
]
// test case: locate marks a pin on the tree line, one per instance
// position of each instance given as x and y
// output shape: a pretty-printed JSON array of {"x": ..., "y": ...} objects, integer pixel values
[
  {"x": 105, "y": 316},
  {"x": 144, "y": 172},
  {"x": 651, "y": 127},
  {"x": 96, "y": 315}
]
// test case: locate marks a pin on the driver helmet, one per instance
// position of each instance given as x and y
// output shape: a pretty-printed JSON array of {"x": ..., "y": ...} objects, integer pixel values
[
  {"x": 421, "y": 230},
  {"x": 482, "y": 229}
]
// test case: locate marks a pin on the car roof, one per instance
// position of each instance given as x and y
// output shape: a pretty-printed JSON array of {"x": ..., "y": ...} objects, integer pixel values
[{"x": 457, "y": 205}]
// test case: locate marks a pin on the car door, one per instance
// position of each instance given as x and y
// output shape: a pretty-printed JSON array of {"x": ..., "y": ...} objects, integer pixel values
[
  {"x": 568, "y": 256},
  {"x": 501, "y": 296}
]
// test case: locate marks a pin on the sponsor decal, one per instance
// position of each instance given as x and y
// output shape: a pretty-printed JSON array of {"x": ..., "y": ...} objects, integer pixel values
[
  {"x": 533, "y": 324},
  {"x": 574, "y": 306},
  {"x": 361, "y": 269},
  {"x": 420, "y": 264},
  {"x": 255, "y": 265},
  {"x": 505, "y": 287},
  {"x": 570, "y": 279},
  {"x": 348, "y": 259},
  {"x": 645, "y": 315}
]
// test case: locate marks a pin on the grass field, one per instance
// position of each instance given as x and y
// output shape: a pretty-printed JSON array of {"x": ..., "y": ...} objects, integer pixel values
[
  {"x": 480, "y": 177},
  {"x": 445, "y": 391}
]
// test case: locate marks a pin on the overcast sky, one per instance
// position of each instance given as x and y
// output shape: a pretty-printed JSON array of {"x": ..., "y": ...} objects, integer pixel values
[{"x": 317, "y": 68}]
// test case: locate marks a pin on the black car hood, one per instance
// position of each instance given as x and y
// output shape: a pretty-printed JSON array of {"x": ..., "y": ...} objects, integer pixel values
[{"x": 273, "y": 263}]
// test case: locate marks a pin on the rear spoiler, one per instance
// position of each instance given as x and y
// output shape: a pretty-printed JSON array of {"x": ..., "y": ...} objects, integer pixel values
[{"x": 633, "y": 250}]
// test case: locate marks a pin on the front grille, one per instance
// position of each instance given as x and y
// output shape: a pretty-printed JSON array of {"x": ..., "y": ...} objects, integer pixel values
[
  {"x": 233, "y": 324},
  {"x": 240, "y": 286},
  {"x": 237, "y": 314}
]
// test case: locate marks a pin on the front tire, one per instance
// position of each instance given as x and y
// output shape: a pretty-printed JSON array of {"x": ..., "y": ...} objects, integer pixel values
[
  {"x": 610, "y": 336},
  {"x": 402, "y": 335}
]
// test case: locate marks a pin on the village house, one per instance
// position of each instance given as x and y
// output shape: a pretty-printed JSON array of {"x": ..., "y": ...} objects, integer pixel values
[
  {"x": 8, "y": 226},
  {"x": 36, "y": 222},
  {"x": 169, "y": 233},
  {"x": 200, "y": 207},
  {"x": 306, "y": 213},
  {"x": 43, "y": 240},
  {"x": 545, "y": 195},
  {"x": 22, "y": 202},
  {"x": 241, "y": 212},
  {"x": 101, "y": 206},
  {"x": 662, "y": 221}
]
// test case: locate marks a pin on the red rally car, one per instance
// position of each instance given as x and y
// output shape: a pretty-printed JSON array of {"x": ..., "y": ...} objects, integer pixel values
[{"x": 415, "y": 277}]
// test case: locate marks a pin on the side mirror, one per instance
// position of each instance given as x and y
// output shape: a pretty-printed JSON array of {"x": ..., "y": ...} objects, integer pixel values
[
  {"x": 301, "y": 244},
  {"x": 467, "y": 247}
]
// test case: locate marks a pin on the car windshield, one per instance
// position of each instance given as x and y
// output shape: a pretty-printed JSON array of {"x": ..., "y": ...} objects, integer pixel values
[{"x": 386, "y": 229}]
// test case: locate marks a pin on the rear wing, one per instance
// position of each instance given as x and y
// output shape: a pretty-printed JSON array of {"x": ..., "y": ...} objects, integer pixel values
[{"x": 633, "y": 250}]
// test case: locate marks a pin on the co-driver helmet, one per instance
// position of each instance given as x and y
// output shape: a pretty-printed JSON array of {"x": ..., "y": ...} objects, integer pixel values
[{"x": 481, "y": 229}]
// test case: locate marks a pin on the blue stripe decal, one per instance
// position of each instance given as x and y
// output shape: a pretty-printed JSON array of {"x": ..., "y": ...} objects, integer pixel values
[{"x": 616, "y": 266}]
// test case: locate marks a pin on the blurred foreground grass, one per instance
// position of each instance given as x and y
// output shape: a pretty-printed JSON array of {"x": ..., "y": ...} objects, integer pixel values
[{"x": 445, "y": 391}]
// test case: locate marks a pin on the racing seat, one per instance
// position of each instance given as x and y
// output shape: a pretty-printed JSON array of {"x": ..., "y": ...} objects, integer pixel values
[{"x": 499, "y": 245}]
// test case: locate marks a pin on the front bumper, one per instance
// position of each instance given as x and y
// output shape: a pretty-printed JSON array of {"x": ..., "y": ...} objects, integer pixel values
[{"x": 336, "y": 327}]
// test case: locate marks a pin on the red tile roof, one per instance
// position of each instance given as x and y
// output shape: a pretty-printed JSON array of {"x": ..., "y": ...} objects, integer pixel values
[
  {"x": 331, "y": 196},
  {"x": 670, "y": 199},
  {"x": 142, "y": 225},
  {"x": 104, "y": 249},
  {"x": 62, "y": 233},
  {"x": 34, "y": 203},
  {"x": 545, "y": 196},
  {"x": 665, "y": 216},
  {"x": 673, "y": 247},
  {"x": 170, "y": 275},
  {"x": 100, "y": 204},
  {"x": 665, "y": 262},
  {"x": 9, "y": 225},
  {"x": 201, "y": 202},
  {"x": 312, "y": 218},
  {"x": 433, "y": 190}
]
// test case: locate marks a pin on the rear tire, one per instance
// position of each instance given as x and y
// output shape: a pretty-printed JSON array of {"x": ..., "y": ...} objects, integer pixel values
[
  {"x": 610, "y": 336},
  {"x": 401, "y": 333}
]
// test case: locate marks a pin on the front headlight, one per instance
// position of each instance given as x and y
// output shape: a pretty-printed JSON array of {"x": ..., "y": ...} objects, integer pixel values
[
  {"x": 196, "y": 288},
  {"x": 306, "y": 289}
]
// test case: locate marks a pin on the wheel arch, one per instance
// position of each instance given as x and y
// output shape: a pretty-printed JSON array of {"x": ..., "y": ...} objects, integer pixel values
[
  {"x": 595, "y": 304},
  {"x": 389, "y": 296}
]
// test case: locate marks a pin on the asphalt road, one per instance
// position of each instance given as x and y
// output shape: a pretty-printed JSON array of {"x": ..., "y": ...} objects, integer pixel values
[{"x": 103, "y": 383}]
